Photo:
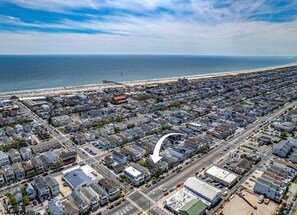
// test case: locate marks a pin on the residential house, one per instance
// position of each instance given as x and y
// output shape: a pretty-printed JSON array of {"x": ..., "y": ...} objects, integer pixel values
[
  {"x": 71, "y": 208},
  {"x": 60, "y": 120},
  {"x": 14, "y": 155},
  {"x": 29, "y": 169},
  {"x": 79, "y": 138},
  {"x": 91, "y": 197},
  {"x": 46, "y": 161},
  {"x": 270, "y": 187},
  {"x": 55, "y": 207},
  {"x": 53, "y": 185},
  {"x": 108, "y": 161},
  {"x": 68, "y": 157},
  {"x": 30, "y": 191},
  {"x": 101, "y": 193},
  {"x": 26, "y": 153},
  {"x": 283, "y": 148},
  {"x": 46, "y": 146},
  {"x": 119, "y": 157},
  {"x": 8, "y": 174},
  {"x": 131, "y": 153},
  {"x": 43, "y": 191},
  {"x": 144, "y": 170},
  {"x": 2, "y": 179},
  {"x": 110, "y": 187},
  {"x": 4, "y": 159},
  {"x": 37, "y": 164},
  {"x": 117, "y": 167},
  {"x": 19, "y": 171},
  {"x": 80, "y": 201},
  {"x": 134, "y": 175}
]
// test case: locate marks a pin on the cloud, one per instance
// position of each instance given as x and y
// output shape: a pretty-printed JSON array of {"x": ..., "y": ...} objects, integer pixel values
[{"x": 260, "y": 27}]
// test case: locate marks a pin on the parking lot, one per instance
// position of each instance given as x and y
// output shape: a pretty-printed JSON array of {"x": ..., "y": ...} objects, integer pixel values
[{"x": 239, "y": 206}]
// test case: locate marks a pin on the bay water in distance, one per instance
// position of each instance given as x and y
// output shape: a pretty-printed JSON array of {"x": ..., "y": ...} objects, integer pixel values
[{"x": 18, "y": 73}]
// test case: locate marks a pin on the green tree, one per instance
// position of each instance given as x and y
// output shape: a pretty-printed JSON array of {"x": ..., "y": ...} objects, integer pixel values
[
  {"x": 142, "y": 162},
  {"x": 116, "y": 129},
  {"x": 26, "y": 200},
  {"x": 120, "y": 118},
  {"x": 284, "y": 134},
  {"x": 12, "y": 200}
]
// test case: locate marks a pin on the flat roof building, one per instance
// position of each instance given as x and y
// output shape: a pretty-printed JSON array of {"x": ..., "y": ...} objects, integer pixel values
[
  {"x": 194, "y": 207},
  {"x": 179, "y": 200},
  {"x": 207, "y": 192},
  {"x": 222, "y": 176},
  {"x": 76, "y": 178},
  {"x": 134, "y": 175}
]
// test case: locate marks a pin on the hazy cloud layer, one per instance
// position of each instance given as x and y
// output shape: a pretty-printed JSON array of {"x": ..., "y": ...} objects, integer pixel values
[{"x": 230, "y": 27}]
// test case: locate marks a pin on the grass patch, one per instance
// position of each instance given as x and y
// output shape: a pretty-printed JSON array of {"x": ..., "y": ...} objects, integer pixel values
[{"x": 249, "y": 147}]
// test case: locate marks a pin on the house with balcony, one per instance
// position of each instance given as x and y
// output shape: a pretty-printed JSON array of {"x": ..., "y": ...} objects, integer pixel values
[
  {"x": 53, "y": 185},
  {"x": 14, "y": 155},
  {"x": 131, "y": 153},
  {"x": 91, "y": 197},
  {"x": 37, "y": 164},
  {"x": 30, "y": 191},
  {"x": 8, "y": 174},
  {"x": 80, "y": 201},
  {"x": 43, "y": 191},
  {"x": 134, "y": 175},
  {"x": 110, "y": 187},
  {"x": 4, "y": 159},
  {"x": 55, "y": 207},
  {"x": 101, "y": 193},
  {"x": 26, "y": 153},
  {"x": 119, "y": 157},
  {"x": 19, "y": 171}
]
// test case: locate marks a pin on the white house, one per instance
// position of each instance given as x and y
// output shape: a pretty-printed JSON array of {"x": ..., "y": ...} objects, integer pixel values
[{"x": 134, "y": 175}]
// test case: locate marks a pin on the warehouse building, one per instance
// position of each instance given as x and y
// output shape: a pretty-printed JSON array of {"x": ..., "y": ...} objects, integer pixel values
[
  {"x": 205, "y": 191},
  {"x": 222, "y": 176},
  {"x": 194, "y": 207}
]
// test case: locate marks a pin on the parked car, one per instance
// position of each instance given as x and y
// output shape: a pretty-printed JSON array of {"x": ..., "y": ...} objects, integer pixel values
[{"x": 261, "y": 199}]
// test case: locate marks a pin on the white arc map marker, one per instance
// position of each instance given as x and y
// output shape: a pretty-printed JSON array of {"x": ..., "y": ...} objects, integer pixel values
[{"x": 155, "y": 156}]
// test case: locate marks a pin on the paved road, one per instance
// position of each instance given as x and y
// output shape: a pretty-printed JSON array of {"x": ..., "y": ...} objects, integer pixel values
[
  {"x": 146, "y": 199},
  {"x": 155, "y": 192}
]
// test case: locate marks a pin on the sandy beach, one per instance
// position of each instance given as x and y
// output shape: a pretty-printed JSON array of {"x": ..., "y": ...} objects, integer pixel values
[{"x": 95, "y": 87}]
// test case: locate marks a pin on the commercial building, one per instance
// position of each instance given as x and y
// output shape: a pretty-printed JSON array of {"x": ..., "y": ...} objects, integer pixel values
[
  {"x": 222, "y": 176},
  {"x": 194, "y": 207},
  {"x": 76, "y": 178},
  {"x": 207, "y": 192},
  {"x": 179, "y": 200}
]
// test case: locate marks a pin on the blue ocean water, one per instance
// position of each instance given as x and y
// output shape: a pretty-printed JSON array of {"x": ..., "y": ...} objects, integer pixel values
[{"x": 38, "y": 72}]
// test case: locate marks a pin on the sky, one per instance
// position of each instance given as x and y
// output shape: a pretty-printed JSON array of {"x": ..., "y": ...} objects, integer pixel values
[{"x": 191, "y": 27}]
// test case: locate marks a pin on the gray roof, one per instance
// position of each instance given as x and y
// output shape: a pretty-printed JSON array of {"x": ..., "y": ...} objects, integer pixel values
[
  {"x": 99, "y": 190},
  {"x": 40, "y": 183},
  {"x": 88, "y": 193},
  {"x": 51, "y": 181},
  {"x": 78, "y": 198},
  {"x": 77, "y": 178}
]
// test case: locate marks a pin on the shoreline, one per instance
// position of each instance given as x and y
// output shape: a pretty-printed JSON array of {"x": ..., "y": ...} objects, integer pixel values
[{"x": 94, "y": 87}]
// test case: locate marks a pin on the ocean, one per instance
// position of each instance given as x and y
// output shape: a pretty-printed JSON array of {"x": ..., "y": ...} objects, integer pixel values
[{"x": 20, "y": 73}]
